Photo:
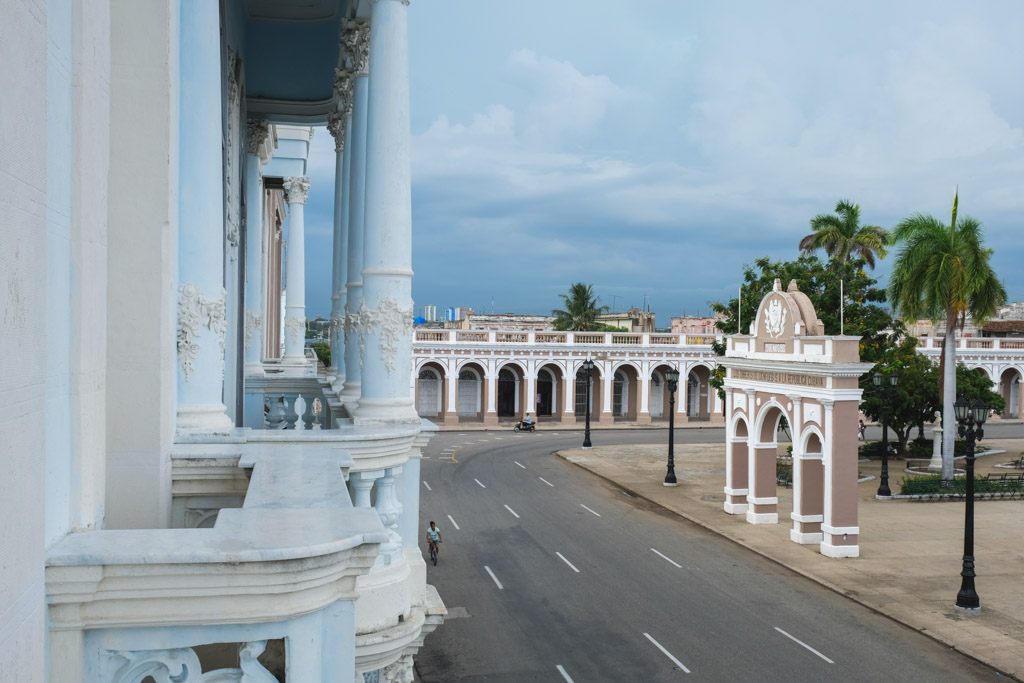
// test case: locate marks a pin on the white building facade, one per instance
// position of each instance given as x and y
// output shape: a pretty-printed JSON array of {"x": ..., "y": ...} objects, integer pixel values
[{"x": 188, "y": 499}]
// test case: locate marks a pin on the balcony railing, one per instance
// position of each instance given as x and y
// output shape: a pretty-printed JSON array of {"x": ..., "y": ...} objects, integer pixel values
[
  {"x": 975, "y": 343},
  {"x": 632, "y": 339}
]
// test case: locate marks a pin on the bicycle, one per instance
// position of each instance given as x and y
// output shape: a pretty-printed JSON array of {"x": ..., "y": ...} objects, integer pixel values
[{"x": 433, "y": 551}]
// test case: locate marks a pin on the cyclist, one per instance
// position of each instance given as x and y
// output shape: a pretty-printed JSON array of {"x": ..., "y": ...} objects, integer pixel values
[{"x": 433, "y": 536}]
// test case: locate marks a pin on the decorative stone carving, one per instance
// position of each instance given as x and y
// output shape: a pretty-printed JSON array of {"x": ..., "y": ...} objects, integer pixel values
[
  {"x": 181, "y": 665},
  {"x": 343, "y": 89},
  {"x": 194, "y": 312},
  {"x": 391, "y": 321},
  {"x": 355, "y": 38},
  {"x": 253, "y": 325},
  {"x": 257, "y": 131},
  {"x": 231, "y": 160},
  {"x": 337, "y": 122},
  {"x": 296, "y": 189},
  {"x": 400, "y": 671}
]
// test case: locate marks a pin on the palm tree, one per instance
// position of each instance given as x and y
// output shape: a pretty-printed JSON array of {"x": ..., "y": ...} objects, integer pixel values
[
  {"x": 581, "y": 309},
  {"x": 943, "y": 272},
  {"x": 841, "y": 235}
]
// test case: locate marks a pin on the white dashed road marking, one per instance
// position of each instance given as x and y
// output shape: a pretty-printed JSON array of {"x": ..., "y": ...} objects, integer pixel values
[
  {"x": 589, "y": 510},
  {"x": 453, "y": 523},
  {"x": 520, "y": 464},
  {"x": 512, "y": 511},
  {"x": 566, "y": 676},
  {"x": 480, "y": 482},
  {"x": 546, "y": 482},
  {"x": 666, "y": 653},
  {"x": 666, "y": 558},
  {"x": 495, "y": 578},
  {"x": 571, "y": 565},
  {"x": 800, "y": 642},
  {"x": 428, "y": 486}
]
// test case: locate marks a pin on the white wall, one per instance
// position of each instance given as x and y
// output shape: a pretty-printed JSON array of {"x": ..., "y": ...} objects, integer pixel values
[{"x": 141, "y": 299}]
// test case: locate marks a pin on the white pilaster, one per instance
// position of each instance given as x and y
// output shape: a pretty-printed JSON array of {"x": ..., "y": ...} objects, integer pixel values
[
  {"x": 201, "y": 295},
  {"x": 386, "y": 311},
  {"x": 257, "y": 133},
  {"x": 296, "y": 190},
  {"x": 357, "y": 44},
  {"x": 531, "y": 387},
  {"x": 607, "y": 386},
  {"x": 340, "y": 127}
]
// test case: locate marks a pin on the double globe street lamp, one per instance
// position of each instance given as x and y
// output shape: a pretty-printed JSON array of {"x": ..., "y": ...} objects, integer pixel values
[
  {"x": 672, "y": 378},
  {"x": 970, "y": 417},
  {"x": 883, "y": 484},
  {"x": 588, "y": 367}
]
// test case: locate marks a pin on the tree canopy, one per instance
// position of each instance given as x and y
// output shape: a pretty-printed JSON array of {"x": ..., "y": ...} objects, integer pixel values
[
  {"x": 841, "y": 235},
  {"x": 581, "y": 310}
]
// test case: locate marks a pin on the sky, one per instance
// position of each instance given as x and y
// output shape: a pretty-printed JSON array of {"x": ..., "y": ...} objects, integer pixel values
[{"x": 653, "y": 148}]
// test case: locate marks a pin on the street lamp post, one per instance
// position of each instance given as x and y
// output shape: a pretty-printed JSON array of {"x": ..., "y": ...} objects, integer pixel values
[
  {"x": 883, "y": 484},
  {"x": 672, "y": 377},
  {"x": 588, "y": 366},
  {"x": 970, "y": 419}
]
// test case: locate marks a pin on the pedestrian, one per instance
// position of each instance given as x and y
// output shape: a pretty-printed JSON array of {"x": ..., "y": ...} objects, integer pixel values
[{"x": 861, "y": 429}]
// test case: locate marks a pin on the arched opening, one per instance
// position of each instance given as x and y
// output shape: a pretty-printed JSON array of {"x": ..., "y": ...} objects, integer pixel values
[
  {"x": 548, "y": 385},
  {"x": 470, "y": 392},
  {"x": 509, "y": 381},
  {"x": 625, "y": 393},
  {"x": 430, "y": 391},
  {"x": 581, "y": 393},
  {"x": 808, "y": 491},
  {"x": 1010, "y": 383},
  {"x": 763, "y": 472},
  {"x": 737, "y": 466},
  {"x": 698, "y": 394},
  {"x": 658, "y": 398}
]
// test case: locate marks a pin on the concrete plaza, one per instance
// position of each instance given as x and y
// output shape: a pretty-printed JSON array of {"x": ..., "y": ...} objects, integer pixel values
[{"x": 910, "y": 551}]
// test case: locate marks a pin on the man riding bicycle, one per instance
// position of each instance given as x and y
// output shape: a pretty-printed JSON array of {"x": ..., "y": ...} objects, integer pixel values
[{"x": 433, "y": 537}]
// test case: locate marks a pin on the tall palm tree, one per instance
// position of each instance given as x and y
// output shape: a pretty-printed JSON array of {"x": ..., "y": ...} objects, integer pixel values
[
  {"x": 943, "y": 272},
  {"x": 841, "y": 235},
  {"x": 581, "y": 309}
]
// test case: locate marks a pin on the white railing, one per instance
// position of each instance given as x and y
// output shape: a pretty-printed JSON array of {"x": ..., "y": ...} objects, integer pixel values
[
  {"x": 975, "y": 343},
  {"x": 513, "y": 338}
]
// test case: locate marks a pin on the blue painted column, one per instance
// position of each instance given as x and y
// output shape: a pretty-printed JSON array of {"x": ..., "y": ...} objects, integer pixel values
[
  {"x": 296, "y": 189},
  {"x": 254, "y": 294},
  {"x": 357, "y": 38},
  {"x": 201, "y": 295},
  {"x": 340, "y": 126},
  {"x": 386, "y": 313}
]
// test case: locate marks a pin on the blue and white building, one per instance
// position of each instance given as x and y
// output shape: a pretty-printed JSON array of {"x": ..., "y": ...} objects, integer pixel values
[{"x": 187, "y": 498}]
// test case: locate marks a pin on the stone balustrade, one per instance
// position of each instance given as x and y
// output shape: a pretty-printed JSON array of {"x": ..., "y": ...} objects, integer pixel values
[{"x": 532, "y": 338}]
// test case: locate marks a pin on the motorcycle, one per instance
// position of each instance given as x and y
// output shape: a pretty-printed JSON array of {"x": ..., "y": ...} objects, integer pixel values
[{"x": 521, "y": 427}]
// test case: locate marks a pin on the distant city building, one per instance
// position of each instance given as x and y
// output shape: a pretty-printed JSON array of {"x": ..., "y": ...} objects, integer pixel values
[
  {"x": 1007, "y": 322},
  {"x": 633, "y": 320},
  {"x": 504, "y": 321},
  {"x": 694, "y": 324},
  {"x": 430, "y": 313}
]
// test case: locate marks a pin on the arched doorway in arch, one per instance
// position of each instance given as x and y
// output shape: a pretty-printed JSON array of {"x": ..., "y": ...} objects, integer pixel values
[
  {"x": 1010, "y": 386},
  {"x": 763, "y": 475},
  {"x": 698, "y": 394},
  {"x": 808, "y": 489},
  {"x": 658, "y": 394},
  {"x": 469, "y": 401},
  {"x": 430, "y": 391},
  {"x": 625, "y": 393},
  {"x": 548, "y": 390},
  {"x": 581, "y": 394},
  {"x": 509, "y": 391}
]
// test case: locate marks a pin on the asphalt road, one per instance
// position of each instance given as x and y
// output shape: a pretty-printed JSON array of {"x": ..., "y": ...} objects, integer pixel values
[{"x": 552, "y": 574}]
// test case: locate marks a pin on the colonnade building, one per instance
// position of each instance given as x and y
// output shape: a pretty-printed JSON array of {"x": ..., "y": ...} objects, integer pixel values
[
  {"x": 475, "y": 376},
  {"x": 187, "y": 498}
]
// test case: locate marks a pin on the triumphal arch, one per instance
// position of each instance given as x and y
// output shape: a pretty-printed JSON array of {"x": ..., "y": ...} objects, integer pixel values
[{"x": 787, "y": 368}]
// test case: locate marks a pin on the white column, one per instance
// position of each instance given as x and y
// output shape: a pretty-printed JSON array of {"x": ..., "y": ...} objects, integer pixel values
[
  {"x": 389, "y": 509},
  {"x": 607, "y": 390},
  {"x": 531, "y": 388},
  {"x": 386, "y": 313},
  {"x": 357, "y": 44},
  {"x": 645, "y": 390},
  {"x": 296, "y": 190},
  {"x": 339, "y": 125},
  {"x": 570, "y": 392},
  {"x": 254, "y": 294},
  {"x": 201, "y": 296}
]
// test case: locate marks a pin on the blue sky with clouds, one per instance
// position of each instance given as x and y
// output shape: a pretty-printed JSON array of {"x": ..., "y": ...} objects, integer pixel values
[{"x": 653, "y": 148}]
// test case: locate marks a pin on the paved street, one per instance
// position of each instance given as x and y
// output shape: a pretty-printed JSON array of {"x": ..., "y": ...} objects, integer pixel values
[{"x": 551, "y": 573}]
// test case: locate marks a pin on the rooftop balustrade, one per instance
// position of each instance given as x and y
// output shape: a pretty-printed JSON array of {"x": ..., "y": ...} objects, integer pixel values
[{"x": 632, "y": 339}]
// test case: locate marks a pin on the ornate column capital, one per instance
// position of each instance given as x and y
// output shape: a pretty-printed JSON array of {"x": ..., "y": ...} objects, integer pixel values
[
  {"x": 355, "y": 38},
  {"x": 256, "y": 132},
  {"x": 296, "y": 189},
  {"x": 337, "y": 122}
]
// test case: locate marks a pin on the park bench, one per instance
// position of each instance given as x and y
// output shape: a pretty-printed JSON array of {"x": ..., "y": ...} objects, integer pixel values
[{"x": 1007, "y": 480}]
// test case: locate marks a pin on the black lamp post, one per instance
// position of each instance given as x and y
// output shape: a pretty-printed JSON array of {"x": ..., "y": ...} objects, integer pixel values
[
  {"x": 883, "y": 484},
  {"x": 970, "y": 419},
  {"x": 672, "y": 377},
  {"x": 588, "y": 366}
]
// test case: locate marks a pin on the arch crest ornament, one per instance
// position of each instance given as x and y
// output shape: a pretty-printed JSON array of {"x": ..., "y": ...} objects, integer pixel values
[{"x": 788, "y": 364}]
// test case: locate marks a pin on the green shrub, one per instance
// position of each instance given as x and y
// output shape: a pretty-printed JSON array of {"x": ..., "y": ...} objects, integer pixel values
[
  {"x": 784, "y": 473},
  {"x": 934, "y": 484}
]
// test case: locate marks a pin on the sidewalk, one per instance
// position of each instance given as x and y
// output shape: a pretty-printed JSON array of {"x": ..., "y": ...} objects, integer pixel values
[{"x": 909, "y": 568}]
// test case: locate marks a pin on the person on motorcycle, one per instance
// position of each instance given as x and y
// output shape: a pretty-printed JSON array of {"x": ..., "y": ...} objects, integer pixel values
[{"x": 528, "y": 421}]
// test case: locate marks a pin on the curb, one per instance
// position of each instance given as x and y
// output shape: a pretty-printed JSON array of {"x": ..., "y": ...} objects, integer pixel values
[{"x": 812, "y": 577}]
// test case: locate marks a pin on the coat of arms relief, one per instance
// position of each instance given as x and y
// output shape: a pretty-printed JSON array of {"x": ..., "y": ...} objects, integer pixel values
[{"x": 774, "y": 318}]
